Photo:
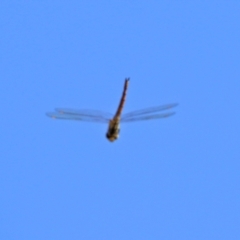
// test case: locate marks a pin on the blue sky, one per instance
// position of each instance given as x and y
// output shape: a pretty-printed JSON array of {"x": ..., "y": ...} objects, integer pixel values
[{"x": 176, "y": 178}]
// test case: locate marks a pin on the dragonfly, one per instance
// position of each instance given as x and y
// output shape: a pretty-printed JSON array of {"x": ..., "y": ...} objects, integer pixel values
[{"x": 114, "y": 121}]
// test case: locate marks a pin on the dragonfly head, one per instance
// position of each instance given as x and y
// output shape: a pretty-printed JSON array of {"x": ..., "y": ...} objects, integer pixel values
[{"x": 113, "y": 130}]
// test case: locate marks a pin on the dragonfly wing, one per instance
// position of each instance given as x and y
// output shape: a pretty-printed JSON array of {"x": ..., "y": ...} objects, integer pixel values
[
  {"x": 147, "y": 117},
  {"x": 80, "y": 115},
  {"x": 145, "y": 112}
]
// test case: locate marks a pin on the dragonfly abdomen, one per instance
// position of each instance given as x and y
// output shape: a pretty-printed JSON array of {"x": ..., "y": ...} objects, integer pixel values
[{"x": 123, "y": 99}]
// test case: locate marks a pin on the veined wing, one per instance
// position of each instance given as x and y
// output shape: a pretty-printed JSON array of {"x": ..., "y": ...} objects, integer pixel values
[
  {"x": 149, "y": 113},
  {"x": 80, "y": 115}
]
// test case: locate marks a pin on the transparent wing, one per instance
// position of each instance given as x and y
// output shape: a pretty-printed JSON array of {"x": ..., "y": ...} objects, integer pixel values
[
  {"x": 156, "y": 116},
  {"x": 80, "y": 115},
  {"x": 149, "y": 113}
]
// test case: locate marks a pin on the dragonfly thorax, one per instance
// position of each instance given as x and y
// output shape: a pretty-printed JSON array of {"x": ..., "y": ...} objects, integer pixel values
[{"x": 113, "y": 130}]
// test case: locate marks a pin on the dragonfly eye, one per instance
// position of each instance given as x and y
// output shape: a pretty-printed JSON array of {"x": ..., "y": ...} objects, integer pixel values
[
  {"x": 112, "y": 133},
  {"x": 111, "y": 137}
]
